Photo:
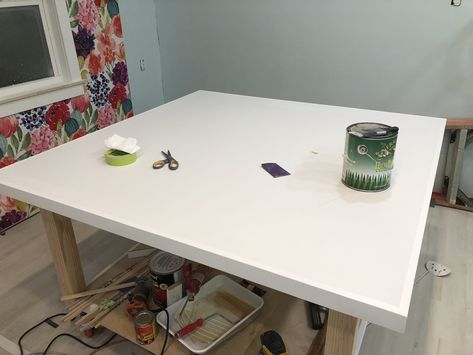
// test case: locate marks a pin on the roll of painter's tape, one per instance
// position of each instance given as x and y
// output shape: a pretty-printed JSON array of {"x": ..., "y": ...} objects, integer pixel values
[{"x": 119, "y": 158}]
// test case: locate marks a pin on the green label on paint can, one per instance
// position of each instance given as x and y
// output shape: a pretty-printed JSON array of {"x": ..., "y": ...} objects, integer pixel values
[{"x": 369, "y": 156}]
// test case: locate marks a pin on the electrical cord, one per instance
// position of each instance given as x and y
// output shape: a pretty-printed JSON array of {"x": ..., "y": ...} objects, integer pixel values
[
  {"x": 58, "y": 336},
  {"x": 419, "y": 278},
  {"x": 36, "y": 326},
  {"x": 163, "y": 349},
  {"x": 157, "y": 311},
  {"x": 77, "y": 339}
]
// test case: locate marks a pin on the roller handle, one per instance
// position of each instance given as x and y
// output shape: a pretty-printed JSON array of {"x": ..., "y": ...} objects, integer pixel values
[{"x": 189, "y": 328}]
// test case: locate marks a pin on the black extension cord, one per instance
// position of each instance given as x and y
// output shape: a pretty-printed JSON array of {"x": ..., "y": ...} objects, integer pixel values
[
  {"x": 163, "y": 349},
  {"x": 79, "y": 340}
]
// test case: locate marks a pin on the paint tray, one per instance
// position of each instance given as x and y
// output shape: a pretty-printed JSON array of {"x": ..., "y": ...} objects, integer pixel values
[{"x": 214, "y": 303}]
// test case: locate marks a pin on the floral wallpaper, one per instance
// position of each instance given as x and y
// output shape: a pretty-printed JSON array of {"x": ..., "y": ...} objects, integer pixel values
[{"x": 98, "y": 38}]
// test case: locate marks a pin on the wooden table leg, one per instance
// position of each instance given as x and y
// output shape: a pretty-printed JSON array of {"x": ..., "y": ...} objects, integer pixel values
[
  {"x": 340, "y": 335},
  {"x": 62, "y": 243}
]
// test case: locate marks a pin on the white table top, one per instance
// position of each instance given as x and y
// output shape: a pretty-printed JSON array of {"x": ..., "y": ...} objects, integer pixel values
[{"x": 306, "y": 234}]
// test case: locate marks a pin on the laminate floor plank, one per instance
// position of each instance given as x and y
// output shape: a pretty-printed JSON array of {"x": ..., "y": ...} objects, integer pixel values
[
  {"x": 441, "y": 316},
  {"x": 29, "y": 291}
]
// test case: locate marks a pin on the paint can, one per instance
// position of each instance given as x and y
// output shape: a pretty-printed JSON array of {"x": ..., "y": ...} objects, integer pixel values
[
  {"x": 165, "y": 270},
  {"x": 145, "y": 327},
  {"x": 369, "y": 156},
  {"x": 160, "y": 294}
]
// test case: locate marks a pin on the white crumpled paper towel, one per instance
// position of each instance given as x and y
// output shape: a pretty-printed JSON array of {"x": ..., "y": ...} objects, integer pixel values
[{"x": 127, "y": 145}]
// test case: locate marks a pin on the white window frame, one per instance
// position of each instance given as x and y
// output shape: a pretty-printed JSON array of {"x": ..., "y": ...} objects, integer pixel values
[{"x": 66, "y": 82}]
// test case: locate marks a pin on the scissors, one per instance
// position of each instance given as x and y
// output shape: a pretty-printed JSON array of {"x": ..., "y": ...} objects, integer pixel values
[{"x": 172, "y": 163}]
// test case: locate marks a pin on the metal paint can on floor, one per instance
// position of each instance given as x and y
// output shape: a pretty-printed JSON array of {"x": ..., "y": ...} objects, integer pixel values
[
  {"x": 165, "y": 270},
  {"x": 145, "y": 327},
  {"x": 369, "y": 156}
]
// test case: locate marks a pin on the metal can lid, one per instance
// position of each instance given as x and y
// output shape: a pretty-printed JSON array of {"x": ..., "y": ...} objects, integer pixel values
[
  {"x": 372, "y": 130},
  {"x": 165, "y": 263},
  {"x": 144, "y": 318}
]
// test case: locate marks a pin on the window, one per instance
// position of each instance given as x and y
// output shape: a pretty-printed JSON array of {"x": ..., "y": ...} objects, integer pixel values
[{"x": 38, "y": 61}]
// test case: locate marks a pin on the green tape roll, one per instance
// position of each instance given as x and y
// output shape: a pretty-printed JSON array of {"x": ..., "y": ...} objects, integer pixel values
[{"x": 118, "y": 158}]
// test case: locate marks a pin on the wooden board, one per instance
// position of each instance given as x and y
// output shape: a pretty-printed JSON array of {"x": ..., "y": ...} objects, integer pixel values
[
  {"x": 441, "y": 201},
  {"x": 283, "y": 313},
  {"x": 459, "y": 123}
]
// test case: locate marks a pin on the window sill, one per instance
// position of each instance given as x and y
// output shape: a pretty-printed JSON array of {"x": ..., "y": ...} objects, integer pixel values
[{"x": 30, "y": 98}]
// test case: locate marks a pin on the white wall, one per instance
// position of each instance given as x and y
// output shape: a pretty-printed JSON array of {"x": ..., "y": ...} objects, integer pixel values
[
  {"x": 412, "y": 56},
  {"x": 141, "y": 42}
]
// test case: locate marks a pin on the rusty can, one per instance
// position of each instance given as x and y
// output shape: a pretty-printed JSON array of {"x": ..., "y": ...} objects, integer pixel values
[{"x": 145, "y": 327}]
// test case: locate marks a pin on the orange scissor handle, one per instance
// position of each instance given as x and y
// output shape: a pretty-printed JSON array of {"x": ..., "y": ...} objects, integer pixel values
[
  {"x": 173, "y": 164},
  {"x": 159, "y": 164}
]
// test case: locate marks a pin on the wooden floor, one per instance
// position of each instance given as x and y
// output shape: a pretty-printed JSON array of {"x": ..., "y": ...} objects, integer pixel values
[
  {"x": 440, "y": 322},
  {"x": 29, "y": 291},
  {"x": 441, "y": 315}
]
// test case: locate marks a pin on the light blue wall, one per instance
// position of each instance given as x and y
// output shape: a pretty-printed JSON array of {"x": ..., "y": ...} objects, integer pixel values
[
  {"x": 141, "y": 42},
  {"x": 411, "y": 56}
]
